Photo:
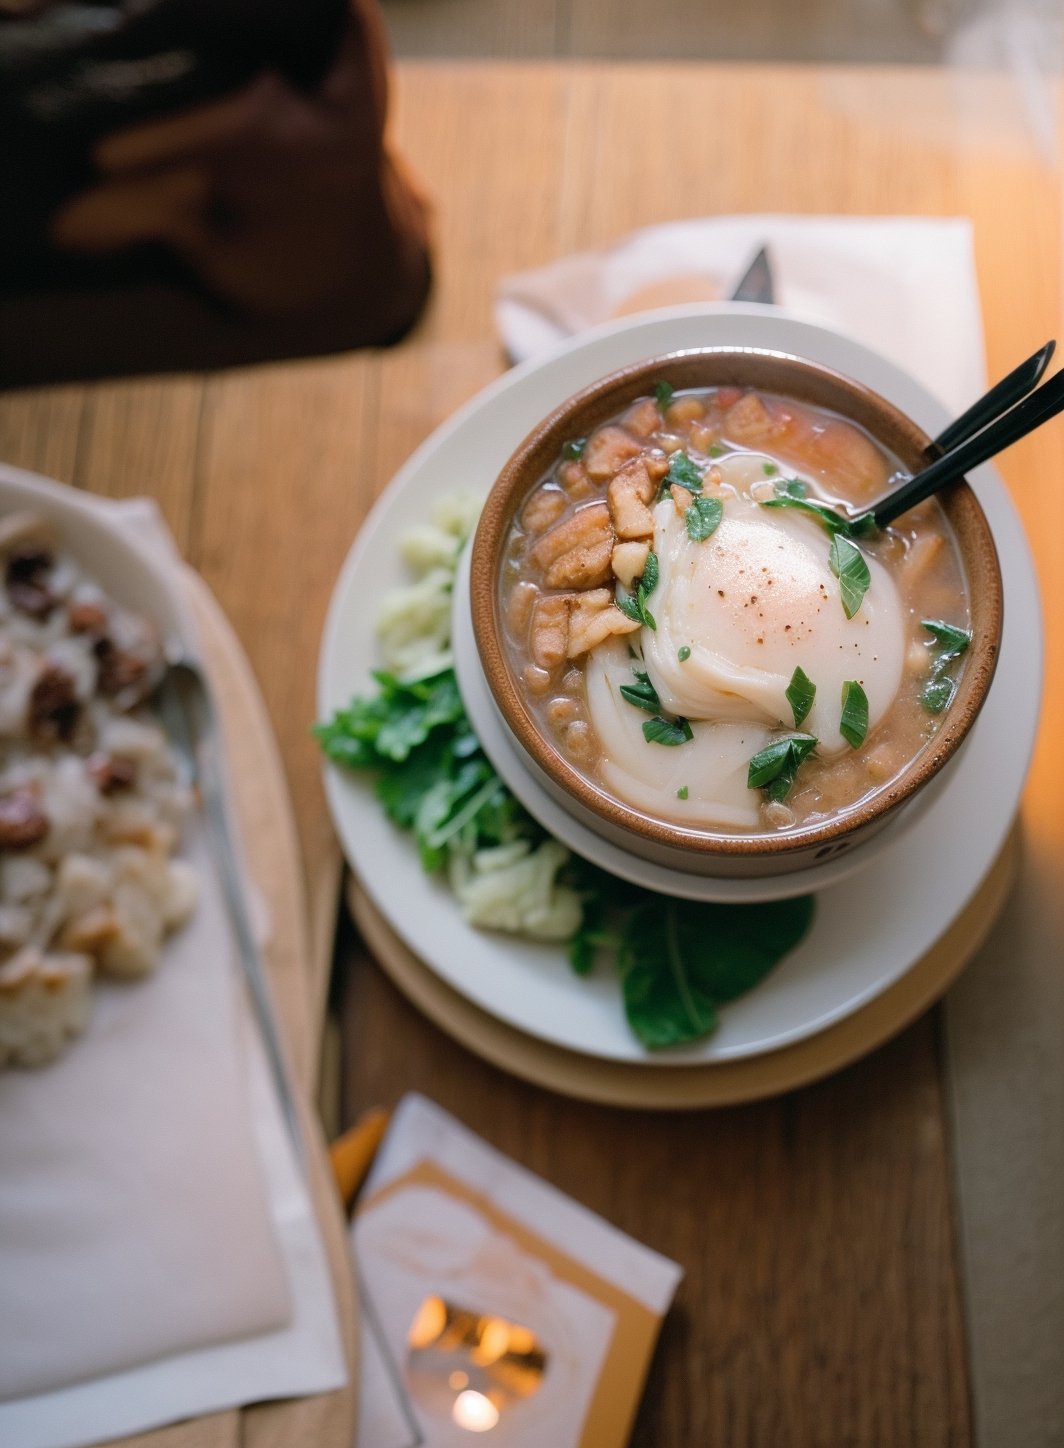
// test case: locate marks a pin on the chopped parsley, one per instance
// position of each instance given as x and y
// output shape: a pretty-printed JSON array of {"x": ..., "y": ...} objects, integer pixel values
[
  {"x": 660, "y": 730},
  {"x": 683, "y": 472},
  {"x": 635, "y": 605},
  {"x": 683, "y": 653},
  {"x": 948, "y": 643},
  {"x": 775, "y": 767},
  {"x": 793, "y": 493},
  {"x": 642, "y": 693},
  {"x": 574, "y": 447},
  {"x": 664, "y": 392}
]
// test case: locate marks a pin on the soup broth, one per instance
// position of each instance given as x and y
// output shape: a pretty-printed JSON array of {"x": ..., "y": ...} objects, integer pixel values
[{"x": 699, "y": 637}]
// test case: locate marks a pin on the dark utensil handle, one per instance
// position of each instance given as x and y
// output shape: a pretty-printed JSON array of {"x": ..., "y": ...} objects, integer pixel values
[
  {"x": 1036, "y": 409},
  {"x": 999, "y": 399}
]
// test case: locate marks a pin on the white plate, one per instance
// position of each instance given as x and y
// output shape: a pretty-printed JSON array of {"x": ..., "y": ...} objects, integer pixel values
[{"x": 868, "y": 929}]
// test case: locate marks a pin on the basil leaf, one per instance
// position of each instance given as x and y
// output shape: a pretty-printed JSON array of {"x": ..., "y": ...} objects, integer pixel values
[
  {"x": 937, "y": 694},
  {"x": 642, "y": 693},
  {"x": 853, "y": 726},
  {"x": 849, "y": 567},
  {"x": 792, "y": 493},
  {"x": 574, "y": 448},
  {"x": 651, "y": 573},
  {"x": 630, "y": 607},
  {"x": 775, "y": 767},
  {"x": 681, "y": 793},
  {"x": 667, "y": 731},
  {"x": 680, "y": 960},
  {"x": 703, "y": 518},
  {"x": 663, "y": 394},
  {"x": 683, "y": 653},
  {"x": 951, "y": 640},
  {"x": 683, "y": 472},
  {"x": 801, "y": 692}
]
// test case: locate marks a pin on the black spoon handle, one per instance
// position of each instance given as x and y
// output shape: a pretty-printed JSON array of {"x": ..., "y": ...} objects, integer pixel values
[
  {"x": 998, "y": 400},
  {"x": 1039, "y": 407}
]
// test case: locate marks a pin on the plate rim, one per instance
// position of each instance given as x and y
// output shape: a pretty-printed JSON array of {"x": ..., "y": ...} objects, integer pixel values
[{"x": 843, "y": 353}]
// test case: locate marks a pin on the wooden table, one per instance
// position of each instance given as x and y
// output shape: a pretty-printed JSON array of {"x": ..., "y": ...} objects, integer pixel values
[{"x": 822, "y": 1299}]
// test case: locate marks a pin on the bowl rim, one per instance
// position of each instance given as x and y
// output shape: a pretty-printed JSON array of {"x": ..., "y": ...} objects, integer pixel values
[{"x": 801, "y": 379}]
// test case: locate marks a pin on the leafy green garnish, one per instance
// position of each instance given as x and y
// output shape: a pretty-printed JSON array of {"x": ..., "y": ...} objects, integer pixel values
[
  {"x": 703, "y": 518},
  {"x": 663, "y": 394},
  {"x": 853, "y": 726},
  {"x": 681, "y": 793},
  {"x": 801, "y": 692},
  {"x": 642, "y": 693},
  {"x": 775, "y": 767},
  {"x": 716, "y": 451},
  {"x": 636, "y": 606},
  {"x": 769, "y": 469},
  {"x": 683, "y": 472},
  {"x": 849, "y": 567},
  {"x": 949, "y": 643},
  {"x": 660, "y": 730},
  {"x": 574, "y": 447},
  {"x": 793, "y": 493},
  {"x": 683, "y": 653},
  {"x": 681, "y": 960},
  {"x": 432, "y": 775}
]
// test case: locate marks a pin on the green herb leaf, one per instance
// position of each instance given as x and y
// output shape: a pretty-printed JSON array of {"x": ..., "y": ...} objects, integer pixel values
[
  {"x": 635, "y": 607},
  {"x": 949, "y": 643},
  {"x": 952, "y": 641},
  {"x": 703, "y": 518},
  {"x": 642, "y": 693},
  {"x": 680, "y": 960},
  {"x": 937, "y": 694},
  {"x": 716, "y": 451},
  {"x": 849, "y": 567},
  {"x": 793, "y": 493},
  {"x": 683, "y": 653},
  {"x": 684, "y": 472},
  {"x": 667, "y": 731},
  {"x": 574, "y": 447},
  {"x": 663, "y": 394},
  {"x": 769, "y": 469},
  {"x": 801, "y": 692},
  {"x": 853, "y": 726},
  {"x": 681, "y": 793},
  {"x": 774, "y": 768}
]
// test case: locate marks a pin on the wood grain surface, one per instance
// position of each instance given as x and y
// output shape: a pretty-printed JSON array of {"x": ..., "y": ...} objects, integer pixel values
[{"x": 821, "y": 1303}]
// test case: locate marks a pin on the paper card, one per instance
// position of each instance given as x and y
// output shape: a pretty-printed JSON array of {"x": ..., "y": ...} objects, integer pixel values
[{"x": 500, "y": 1302}]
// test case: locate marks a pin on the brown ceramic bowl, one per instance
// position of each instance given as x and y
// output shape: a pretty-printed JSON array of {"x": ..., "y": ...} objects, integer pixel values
[{"x": 698, "y": 850}]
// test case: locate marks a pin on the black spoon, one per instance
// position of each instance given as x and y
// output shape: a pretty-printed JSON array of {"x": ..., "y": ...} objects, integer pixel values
[
  {"x": 993, "y": 403},
  {"x": 1034, "y": 410}
]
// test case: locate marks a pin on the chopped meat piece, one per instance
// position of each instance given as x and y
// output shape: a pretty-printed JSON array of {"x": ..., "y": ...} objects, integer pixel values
[
  {"x": 86, "y": 618},
  {"x": 121, "y": 670},
  {"x": 656, "y": 464},
  {"x": 682, "y": 497},
  {"x": 543, "y": 508},
  {"x": 594, "y": 617},
  {"x": 582, "y": 567},
  {"x": 750, "y": 422},
  {"x": 644, "y": 418},
  {"x": 629, "y": 496},
  {"x": 607, "y": 451},
  {"x": 22, "y": 820},
  {"x": 109, "y": 774},
  {"x": 550, "y": 629},
  {"x": 587, "y": 528},
  {"x": 628, "y": 562},
  {"x": 54, "y": 707},
  {"x": 574, "y": 479}
]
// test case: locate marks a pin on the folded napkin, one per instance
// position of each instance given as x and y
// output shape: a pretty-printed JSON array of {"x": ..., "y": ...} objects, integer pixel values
[
  {"x": 159, "y": 1256},
  {"x": 449, "y": 1234},
  {"x": 904, "y": 286}
]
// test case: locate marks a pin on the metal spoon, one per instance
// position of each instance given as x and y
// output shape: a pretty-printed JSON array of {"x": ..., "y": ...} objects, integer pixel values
[{"x": 184, "y": 702}]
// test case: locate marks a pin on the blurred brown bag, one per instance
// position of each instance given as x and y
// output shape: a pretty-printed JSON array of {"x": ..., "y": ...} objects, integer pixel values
[{"x": 192, "y": 183}]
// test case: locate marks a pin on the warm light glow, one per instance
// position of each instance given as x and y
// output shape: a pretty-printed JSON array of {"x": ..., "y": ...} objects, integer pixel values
[
  {"x": 428, "y": 1323},
  {"x": 494, "y": 1341},
  {"x": 457, "y": 1381},
  {"x": 474, "y": 1411}
]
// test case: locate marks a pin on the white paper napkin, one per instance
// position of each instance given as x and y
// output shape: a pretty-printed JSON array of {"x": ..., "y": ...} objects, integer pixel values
[
  {"x": 445, "y": 1214},
  {"x": 903, "y": 285},
  {"x": 159, "y": 1256}
]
